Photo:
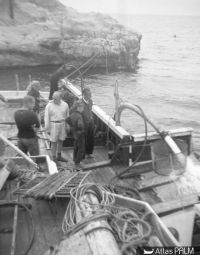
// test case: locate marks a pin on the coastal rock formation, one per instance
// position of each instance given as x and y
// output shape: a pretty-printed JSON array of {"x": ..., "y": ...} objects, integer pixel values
[{"x": 35, "y": 32}]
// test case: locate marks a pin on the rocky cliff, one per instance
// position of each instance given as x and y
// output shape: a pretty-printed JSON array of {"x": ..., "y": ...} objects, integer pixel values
[{"x": 35, "y": 32}]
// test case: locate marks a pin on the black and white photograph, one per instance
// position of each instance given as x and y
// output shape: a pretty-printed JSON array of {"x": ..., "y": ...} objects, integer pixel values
[{"x": 99, "y": 127}]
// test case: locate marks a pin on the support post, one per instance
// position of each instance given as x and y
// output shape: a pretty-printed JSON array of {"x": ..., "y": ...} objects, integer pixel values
[
  {"x": 116, "y": 95},
  {"x": 13, "y": 244},
  {"x": 11, "y": 8},
  {"x": 17, "y": 83}
]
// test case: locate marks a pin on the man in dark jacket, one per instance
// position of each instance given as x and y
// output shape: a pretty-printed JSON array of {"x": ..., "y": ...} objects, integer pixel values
[
  {"x": 59, "y": 74},
  {"x": 27, "y": 122},
  {"x": 89, "y": 122},
  {"x": 78, "y": 128}
]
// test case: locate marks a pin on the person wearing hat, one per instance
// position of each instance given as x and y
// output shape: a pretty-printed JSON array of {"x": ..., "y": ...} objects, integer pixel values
[
  {"x": 78, "y": 128},
  {"x": 89, "y": 122}
]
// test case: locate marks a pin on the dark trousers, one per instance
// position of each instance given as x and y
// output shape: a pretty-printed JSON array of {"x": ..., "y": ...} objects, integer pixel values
[
  {"x": 79, "y": 149},
  {"x": 89, "y": 139},
  {"x": 30, "y": 145}
]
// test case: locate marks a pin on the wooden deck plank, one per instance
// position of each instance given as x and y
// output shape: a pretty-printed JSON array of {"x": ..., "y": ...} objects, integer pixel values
[
  {"x": 40, "y": 243},
  {"x": 50, "y": 227},
  {"x": 152, "y": 179},
  {"x": 6, "y": 216},
  {"x": 175, "y": 204},
  {"x": 23, "y": 232}
]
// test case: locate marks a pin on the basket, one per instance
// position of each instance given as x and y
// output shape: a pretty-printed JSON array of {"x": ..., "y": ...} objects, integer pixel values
[{"x": 165, "y": 162}]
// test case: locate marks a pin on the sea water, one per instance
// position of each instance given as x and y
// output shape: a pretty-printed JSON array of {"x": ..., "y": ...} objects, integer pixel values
[
  {"x": 183, "y": 186},
  {"x": 166, "y": 83}
]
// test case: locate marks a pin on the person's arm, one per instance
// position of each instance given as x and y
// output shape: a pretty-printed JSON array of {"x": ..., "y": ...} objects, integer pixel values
[
  {"x": 67, "y": 119},
  {"x": 67, "y": 111},
  {"x": 91, "y": 104},
  {"x": 36, "y": 123},
  {"x": 46, "y": 118}
]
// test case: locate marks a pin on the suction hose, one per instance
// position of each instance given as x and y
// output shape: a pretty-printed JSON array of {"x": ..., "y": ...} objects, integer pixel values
[{"x": 164, "y": 135}]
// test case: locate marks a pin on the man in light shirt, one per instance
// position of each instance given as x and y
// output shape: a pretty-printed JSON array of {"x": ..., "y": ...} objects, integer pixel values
[{"x": 56, "y": 113}]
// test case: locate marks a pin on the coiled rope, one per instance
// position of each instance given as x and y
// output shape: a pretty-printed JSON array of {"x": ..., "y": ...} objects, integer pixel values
[{"x": 128, "y": 226}]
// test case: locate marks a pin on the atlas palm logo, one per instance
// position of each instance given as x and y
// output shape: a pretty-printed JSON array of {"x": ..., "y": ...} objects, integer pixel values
[{"x": 147, "y": 252}]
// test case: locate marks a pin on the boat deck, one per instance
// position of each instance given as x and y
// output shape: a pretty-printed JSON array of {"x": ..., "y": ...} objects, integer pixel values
[
  {"x": 47, "y": 215},
  {"x": 47, "y": 219}
]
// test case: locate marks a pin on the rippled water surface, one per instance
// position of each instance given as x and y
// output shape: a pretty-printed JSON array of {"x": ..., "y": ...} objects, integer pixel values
[{"x": 166, "y": 83}]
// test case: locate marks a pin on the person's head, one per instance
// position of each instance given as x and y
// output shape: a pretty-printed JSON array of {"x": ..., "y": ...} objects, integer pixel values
[
  {"x": 62, "y": 85},
  {"x": 87, "y": 93},
  {"x": 57, "y": 97},
  {"x": 29, "y": 102},
  {"x": 34, "y": 85},
  {"x": 79, "y": 106}
]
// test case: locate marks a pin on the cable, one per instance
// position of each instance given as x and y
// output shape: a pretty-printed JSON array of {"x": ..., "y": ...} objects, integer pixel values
[
  {"x": 90, "y": 66},
  {"x": 32, "y": 223},
  {"x": 78, "y": 202},
  {"x": 129, "y": 226},
  {"x": 76, "y": 70}
]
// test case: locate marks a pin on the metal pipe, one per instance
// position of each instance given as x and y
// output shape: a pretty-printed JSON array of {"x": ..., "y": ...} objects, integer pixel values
[
  {"x": 166, "y": 137},
  {"x": 28, "y": 159},
  {"x": 17, "y": 83}
]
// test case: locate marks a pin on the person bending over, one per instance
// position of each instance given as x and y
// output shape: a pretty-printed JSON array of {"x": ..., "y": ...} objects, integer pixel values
[
  {"x": 56, "y": 113},
  {"x": 27, "y": 123},
  {"x": 89, "y": 122},
  {"x": 78, "y": 128}
]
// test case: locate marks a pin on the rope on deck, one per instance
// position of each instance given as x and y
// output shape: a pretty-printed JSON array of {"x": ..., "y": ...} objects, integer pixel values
[{"x": 128, "y": 226}]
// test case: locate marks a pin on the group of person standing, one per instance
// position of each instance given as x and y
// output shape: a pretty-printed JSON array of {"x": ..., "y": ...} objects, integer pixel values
[{"x": 64, "y": 115}]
